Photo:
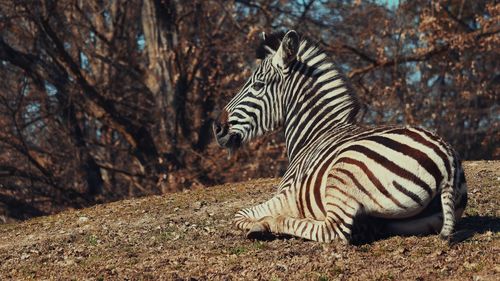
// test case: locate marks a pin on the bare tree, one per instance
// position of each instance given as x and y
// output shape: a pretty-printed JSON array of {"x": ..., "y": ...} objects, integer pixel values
[{"x": 103, "y": 100}]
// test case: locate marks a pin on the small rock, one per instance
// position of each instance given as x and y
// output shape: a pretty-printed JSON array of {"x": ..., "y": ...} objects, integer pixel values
[
  {"x": 470, "y": 266},
  {"x": 83, "y": 219},
  {"x": 197, "y": 205},
  {"x": 445, "y": 269},
  {"x": 25, "y": 256},
  {"x": 437, "y": 253},
  {"x": 401, "y": 250},
  {"x": 281, "y": 267}
]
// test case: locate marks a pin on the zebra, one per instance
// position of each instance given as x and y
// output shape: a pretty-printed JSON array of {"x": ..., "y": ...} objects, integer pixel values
[{"x": 338, "y": 169}]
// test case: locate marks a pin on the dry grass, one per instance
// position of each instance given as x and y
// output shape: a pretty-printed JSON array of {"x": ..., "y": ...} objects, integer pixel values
[{"x": 189, "y": 235}]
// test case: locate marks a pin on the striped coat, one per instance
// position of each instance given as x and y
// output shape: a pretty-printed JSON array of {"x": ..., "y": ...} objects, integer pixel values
[{"x": 339, "y": 170}]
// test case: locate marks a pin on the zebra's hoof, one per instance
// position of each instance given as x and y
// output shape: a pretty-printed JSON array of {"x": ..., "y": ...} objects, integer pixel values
[
  {"x": 447, "y": 238},
  {"x": 444, "y": 237},
  {"x": 259, "y": 231}
]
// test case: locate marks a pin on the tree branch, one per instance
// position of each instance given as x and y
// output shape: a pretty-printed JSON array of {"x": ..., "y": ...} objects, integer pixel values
[{"x": 421, "y": 56}]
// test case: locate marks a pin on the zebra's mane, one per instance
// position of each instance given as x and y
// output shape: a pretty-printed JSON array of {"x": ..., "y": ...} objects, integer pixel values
[{"x": 311, "y": 54}]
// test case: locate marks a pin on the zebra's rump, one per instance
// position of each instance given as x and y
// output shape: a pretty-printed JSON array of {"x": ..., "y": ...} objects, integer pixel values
[{"x": 392, "y": 172}]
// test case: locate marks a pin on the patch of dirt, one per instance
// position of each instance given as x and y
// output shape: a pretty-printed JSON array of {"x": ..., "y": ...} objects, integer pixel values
[{"x": 189, "y": 236}]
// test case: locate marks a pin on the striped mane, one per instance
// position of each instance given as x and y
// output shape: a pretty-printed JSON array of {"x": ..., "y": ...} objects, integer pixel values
[
  {"x": 315, "y": 63},
  {"x": 320, "y": 92}
]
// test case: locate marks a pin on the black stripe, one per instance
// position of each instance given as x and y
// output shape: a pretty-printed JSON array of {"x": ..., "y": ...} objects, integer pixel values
[
  {"x": 340, "y": 208},
  {"x": 389, "y": 165},
  {"x": 418, "y": 155},
  {"x": 418, "y": 138},
  {"x": 408, "y": 193},
  {"x": 317, "y": 188},
  {"x": 358, "y": 185},
  {"x": 308, "y": 187},
  {"x": 373, "y": 179}
]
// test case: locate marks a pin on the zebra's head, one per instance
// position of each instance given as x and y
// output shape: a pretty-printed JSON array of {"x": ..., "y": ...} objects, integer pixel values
[{"x": 258, "y": 106}]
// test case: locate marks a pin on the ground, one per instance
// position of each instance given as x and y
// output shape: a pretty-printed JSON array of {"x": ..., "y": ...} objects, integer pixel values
[{"x": 189, "y": 236}]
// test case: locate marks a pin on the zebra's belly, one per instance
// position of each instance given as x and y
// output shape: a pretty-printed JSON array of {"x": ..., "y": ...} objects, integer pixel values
[
  {"x": 389, "y": 197},
  {"x": 389, "y": 211}
]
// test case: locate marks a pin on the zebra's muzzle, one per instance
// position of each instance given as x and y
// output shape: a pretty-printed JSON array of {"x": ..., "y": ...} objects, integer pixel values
[
  {"x": 225, "y": 138},
  {"x": 233, "y": 143},
  {"x": 221, "y": 133},
  {"x": 230, "y": 141}
]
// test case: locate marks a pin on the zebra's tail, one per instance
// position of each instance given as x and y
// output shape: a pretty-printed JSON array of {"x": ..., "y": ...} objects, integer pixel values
[
  {"x": 451, "y": 193},
  {"x": 442, "y": 212}
]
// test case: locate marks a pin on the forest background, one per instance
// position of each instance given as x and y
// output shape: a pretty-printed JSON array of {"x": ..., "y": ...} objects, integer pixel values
[{"x": 105, "y": 100}]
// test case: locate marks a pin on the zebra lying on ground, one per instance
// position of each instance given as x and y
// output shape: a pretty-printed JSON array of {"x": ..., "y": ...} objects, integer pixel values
[{"x": 338, "y": 170}]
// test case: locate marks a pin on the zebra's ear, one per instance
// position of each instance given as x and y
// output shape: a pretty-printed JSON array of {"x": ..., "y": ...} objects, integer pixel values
[
  {"x": 288, "y": 49},
  {"x": 269, "y": 44}
]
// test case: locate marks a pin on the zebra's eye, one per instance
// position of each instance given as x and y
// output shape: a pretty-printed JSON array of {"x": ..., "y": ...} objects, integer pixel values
[{"x": 258, "y": 85}]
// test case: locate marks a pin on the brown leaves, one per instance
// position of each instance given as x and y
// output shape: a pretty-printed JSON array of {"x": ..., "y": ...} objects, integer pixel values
[{"x": 123, "y": 95}]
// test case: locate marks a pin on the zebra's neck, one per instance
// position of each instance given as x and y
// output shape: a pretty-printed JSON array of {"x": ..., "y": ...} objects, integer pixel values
[{"x": 317, "y": 99}]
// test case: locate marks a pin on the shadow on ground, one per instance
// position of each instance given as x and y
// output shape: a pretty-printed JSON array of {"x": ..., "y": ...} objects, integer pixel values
[
  {"x": 469, "y": 226},
  {"x": 367, "y": 230}
]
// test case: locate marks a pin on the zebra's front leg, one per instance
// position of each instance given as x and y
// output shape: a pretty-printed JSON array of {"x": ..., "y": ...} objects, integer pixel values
[
  {"x": 320, "y": 231},
  {"x": 247, "y": 218},
  {"x": 337, "y": 225}
]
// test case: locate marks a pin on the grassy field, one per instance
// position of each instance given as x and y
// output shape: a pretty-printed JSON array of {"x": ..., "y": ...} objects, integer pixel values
[{"x": 189, "y": 236}]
